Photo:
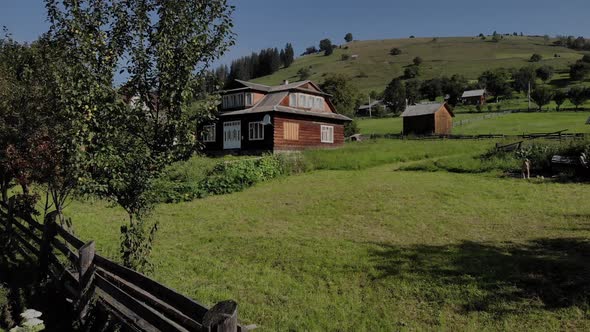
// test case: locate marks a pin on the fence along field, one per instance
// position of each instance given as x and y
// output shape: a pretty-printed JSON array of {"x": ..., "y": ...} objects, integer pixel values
[{"x": 134, "y": 300}]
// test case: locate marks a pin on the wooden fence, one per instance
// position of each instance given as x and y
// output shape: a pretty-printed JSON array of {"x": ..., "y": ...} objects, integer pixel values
[
  {"x": 559, "y": 135},
  {"x": 479, "y": 118},
  {"x": 136, "y": 301}
]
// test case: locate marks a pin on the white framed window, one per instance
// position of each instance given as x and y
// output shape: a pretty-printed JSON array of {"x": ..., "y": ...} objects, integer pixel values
[
  {"x": 301, "y": 100},
  {"x": 293, "y": 100},
  {"x": 233, "y": 100},
  {"x": 327, "y": 134},
  {"x": 249, "y": 99},
  {"x": 209, "y": 132},
  {"x": 256, "y": 131},
  {"x": 319, "y": 101}
]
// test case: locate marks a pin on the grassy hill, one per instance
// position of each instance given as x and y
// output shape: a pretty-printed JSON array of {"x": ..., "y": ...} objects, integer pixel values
[{"x": 469, "y": 56}]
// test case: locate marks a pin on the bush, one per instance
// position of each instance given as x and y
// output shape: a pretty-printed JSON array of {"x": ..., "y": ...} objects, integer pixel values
[
  {"x": 345, "y": 57},
  {"x": 411, "y": 72},
  {"x": 233, "y": 176},
  {"x": 536, "y": 57},
  {"x": 418, "y": 61},
  {"x": 395, "y": 51},
  {"x": 351, "y": 128}
]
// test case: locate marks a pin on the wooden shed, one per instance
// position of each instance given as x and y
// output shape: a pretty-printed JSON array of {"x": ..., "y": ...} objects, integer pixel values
[
  {"x": 428, "y": 119},
  {"x": 474, "y": 97}
]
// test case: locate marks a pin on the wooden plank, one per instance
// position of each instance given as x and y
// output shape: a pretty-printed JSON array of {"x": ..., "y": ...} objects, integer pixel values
[
  {"x": 223, "y": 317},
  {"x": 152, "y": 301},
  {"x": 141, "y": 310},
  {"x": 32, "y": 222},
  {"x": 26, "y": 243},
  {"x": 69, "y": 237},
  {"x": 63, "y": 248},
  {"x": 184, "y": 304},
  {"x": 27, "y": 231},
  {"x": 129, "y": 319}
]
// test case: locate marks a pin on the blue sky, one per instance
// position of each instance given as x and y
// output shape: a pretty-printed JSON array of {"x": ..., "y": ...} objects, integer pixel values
[{"x": 272, "y": 23}]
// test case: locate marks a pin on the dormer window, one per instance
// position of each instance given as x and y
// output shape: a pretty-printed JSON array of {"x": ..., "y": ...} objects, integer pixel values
[
  {"x": 302, "y": 100},
  {"x": 237, "y": 100}
]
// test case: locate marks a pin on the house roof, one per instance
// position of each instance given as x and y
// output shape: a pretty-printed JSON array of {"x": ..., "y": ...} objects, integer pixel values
[
  {"x": 372, "y": 104},
  {"x": 271, "y": 102},
  {"x": 473, "y": 93},
  {"x": 276, "y": 88},
  {"x": 423, "y": 109},
  {"x": 290, "y": 110}
]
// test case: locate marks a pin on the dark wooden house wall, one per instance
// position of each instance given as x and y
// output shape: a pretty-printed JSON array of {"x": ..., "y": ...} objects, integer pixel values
[
  {"x": 309, "y": 133},
  {"x": 258, "y": 146}
]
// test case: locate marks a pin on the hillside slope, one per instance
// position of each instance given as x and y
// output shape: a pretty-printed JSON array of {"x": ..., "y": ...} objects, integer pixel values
[{"x": 469, "y": 56}]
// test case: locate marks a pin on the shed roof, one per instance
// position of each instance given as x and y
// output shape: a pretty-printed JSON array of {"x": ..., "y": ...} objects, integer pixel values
[
  {"x": 474, "y": 93},
  {"x": 423, "y": 109}
]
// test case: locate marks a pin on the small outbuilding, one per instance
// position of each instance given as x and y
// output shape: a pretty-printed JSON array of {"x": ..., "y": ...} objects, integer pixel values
[
  {"x": 428, "y": 119},
  {"x": 474, "y": 97}
]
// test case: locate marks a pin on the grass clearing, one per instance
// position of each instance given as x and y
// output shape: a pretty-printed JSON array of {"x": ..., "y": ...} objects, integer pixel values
[
  {"x": 508, "y": 124},
  {"x": 468, "y": 56},
  {"x": 371, "y": 153},
  {"x": 356, "y": 247},
  {"x": 519, "y": 123}
]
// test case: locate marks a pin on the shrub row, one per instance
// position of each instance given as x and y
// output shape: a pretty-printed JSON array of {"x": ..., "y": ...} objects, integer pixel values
[{"x": 208, "y": 177}]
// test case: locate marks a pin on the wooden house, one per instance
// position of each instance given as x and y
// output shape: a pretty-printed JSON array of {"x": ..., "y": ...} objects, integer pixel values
[
  {"x": 474, "y": 97},
  {"x": 428, "y": 119},
  {"x": 255, "y": 118}
]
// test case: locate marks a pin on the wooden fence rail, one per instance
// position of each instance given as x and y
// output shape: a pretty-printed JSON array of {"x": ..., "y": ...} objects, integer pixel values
[{"x": 138, "y": 302}]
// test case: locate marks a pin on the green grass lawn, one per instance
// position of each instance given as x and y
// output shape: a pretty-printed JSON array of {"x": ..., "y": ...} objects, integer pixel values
[
  {"x": 395, "y": 125},
  {"x": 370, "y": 248},
  {"x": 510, "y": 124},
  {"x": 518, "y": 123},
  {"x": 468, "y": 56}
]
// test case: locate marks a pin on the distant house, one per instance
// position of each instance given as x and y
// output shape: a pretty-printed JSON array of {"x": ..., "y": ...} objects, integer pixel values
[
  {"x": 428, "y": 119},
  {"x": 474, "y": 97},
  {"x": 367, "y": 109},
  {"x": 255, "y": 118}
]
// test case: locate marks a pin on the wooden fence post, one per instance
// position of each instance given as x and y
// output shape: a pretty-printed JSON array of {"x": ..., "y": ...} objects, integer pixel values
[
  {"x": 49, "y": 232},
  {"x": 10, "y": 220},
  {"x": 85, "y": 278},
  {"x": 223, "y": 317}
]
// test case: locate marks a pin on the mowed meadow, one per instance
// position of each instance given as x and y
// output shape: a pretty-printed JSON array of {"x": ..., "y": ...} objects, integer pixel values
[
  {"x": 506, "y": 124},
  {"x": 374, "y": 67},
  {"x": 358, "y": 244}
]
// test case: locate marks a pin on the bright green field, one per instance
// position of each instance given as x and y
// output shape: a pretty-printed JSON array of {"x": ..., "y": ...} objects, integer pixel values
[
  {"x": 468, "y": 56},
  {"x": 369, "y": 248},
  {"x": 509, "y": 124}
]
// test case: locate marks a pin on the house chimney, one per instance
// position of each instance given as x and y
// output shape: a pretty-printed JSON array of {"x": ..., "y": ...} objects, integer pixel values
[{"x": 285, "y": 82}]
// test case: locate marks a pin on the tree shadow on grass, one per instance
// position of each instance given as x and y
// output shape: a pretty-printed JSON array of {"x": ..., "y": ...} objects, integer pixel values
[{"x": 495, "y": 278}]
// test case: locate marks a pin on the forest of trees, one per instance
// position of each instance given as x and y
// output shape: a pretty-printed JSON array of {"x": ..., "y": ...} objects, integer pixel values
[
  {"x": 579, "y": 44},
  {"x": 258, "y": 64}
]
